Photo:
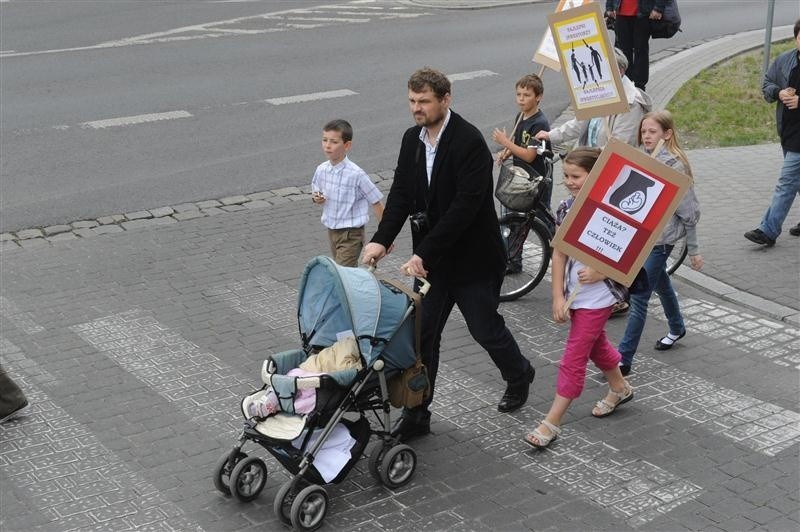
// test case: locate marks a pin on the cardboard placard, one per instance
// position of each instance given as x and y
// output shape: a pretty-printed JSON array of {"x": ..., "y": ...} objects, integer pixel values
[
  {"x": 620, "y": 211},
  {"x": 546, "y": 54},
  {"x": 588, "y": 62}
]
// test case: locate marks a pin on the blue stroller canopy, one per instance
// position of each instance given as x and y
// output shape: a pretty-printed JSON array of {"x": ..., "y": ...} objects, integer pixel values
[{"x": 334, "y": 299}]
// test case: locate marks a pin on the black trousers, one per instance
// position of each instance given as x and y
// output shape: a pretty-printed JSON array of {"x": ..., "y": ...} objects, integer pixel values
[
  {"x": 633, "y": 38},
  {"x": 478, "y": 301}
]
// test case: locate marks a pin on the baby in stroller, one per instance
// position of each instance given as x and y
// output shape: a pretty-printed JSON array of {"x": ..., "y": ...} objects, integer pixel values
[
  {"x": 358, "y": 334},
  {"x": 340, "y": 356}
]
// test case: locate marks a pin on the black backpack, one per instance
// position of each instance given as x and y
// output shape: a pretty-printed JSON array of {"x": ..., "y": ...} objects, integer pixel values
[{"x": 669, "y": 24}]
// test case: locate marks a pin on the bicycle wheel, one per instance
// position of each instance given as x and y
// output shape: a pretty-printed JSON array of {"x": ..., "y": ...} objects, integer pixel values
[
  {"x": 677, "y": 256},
  {"x": 528, "y": 246}
]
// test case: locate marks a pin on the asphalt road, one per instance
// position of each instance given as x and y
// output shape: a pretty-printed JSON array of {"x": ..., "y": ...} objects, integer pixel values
[{"x": 120, "y": 106}]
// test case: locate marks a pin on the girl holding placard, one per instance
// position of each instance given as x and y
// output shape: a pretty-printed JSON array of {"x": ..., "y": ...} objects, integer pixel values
[{"x": 585, "y": 297}]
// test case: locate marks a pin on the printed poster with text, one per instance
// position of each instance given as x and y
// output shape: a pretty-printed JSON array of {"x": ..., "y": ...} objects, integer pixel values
[
  {"x": 588, "y": 62},
  {"x": 620, "y": 211},
  {"x": 547, "y": 54}
]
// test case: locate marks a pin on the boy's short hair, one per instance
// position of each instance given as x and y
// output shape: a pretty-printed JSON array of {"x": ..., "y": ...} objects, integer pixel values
[
  {"x": 531, "y": 81},
  {"x": 342, "y": 126},
  {"x": 796, "y": 28},
  {"x": 429, "y": 77}
]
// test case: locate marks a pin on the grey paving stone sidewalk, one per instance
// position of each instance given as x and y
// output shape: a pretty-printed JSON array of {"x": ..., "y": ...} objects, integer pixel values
[
  {"x": 735, "y": 187},
  {"x": 136, "y": 348}
]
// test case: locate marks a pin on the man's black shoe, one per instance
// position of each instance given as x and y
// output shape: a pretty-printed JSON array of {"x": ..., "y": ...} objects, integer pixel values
[
  {"x": 13, "y": 411},
  {"x": 408, "y": 429},
  {"x": 795, "y": 231},
  {"x": 625, "y": 369},
  {"x": 517, "y": 394},
  {"x": 757, "y": 236}
]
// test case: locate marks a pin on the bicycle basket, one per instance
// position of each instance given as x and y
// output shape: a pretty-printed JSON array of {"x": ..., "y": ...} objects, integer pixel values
[{"x": 520, "y": 189}]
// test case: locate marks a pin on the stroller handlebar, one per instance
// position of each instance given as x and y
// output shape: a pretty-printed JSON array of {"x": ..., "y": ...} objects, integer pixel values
[{"x": 424, "y": 286}]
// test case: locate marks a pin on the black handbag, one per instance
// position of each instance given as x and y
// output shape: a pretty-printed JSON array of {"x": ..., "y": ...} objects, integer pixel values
[{"x": 669, "y": 24}]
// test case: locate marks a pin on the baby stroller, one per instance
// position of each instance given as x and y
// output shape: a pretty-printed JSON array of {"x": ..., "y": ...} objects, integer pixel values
[{"x": 333, "y": 301}]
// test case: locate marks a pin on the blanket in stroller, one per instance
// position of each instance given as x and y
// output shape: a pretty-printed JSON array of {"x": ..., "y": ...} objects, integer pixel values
[
  {"x": 334, "y": 453},
  {"x": 342, "y": 355}
]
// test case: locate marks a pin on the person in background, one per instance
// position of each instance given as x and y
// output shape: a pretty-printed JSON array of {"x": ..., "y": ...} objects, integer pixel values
[
  {"x": 782, "y": 84},
  {"x": 657, "y": 126},
  {"x": 632, "y": 31},
  {"x": 345, "y": 191},
  {"x": 522, "y": 147},
  {"x": 529, "y": 121}
]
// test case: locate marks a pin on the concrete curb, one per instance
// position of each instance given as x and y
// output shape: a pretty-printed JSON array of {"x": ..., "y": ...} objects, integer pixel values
[
  {"x": 747, "y": 300},
  {"x": 117, "y": 223}
]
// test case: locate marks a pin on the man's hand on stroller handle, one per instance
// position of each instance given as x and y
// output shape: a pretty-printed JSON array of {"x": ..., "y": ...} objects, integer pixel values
[
  {"x": 414, "y": 267},
  {"x": 373, "y": 252}
]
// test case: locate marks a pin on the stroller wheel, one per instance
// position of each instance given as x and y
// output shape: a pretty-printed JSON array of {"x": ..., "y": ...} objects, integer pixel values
[
  {"x": 398, "y": 466},
  {"x": 309, "y": 508},
  {"x": 283, "y": 501},
  {"x": 375, "y": 458},
  {"x": 248, "y": 478},
  {"x": 223, "y": 470}
]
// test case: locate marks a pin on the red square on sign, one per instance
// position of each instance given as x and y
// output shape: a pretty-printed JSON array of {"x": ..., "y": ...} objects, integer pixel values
[{"x": 620, "y": 212}]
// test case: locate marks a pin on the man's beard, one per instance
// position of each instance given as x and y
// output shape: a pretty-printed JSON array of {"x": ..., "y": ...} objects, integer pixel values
[{"x": 426, "y": 120}]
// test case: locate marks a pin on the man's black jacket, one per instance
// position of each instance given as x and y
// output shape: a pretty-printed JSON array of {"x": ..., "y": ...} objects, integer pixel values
[{"x": 463, "y": 241}]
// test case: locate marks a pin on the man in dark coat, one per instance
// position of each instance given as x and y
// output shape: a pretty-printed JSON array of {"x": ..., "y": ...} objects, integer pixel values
[{"x": 443, "y": 182}]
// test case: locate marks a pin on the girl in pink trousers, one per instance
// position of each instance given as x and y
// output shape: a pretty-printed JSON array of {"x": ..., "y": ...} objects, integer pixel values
[{"x": 588, "y": 311}]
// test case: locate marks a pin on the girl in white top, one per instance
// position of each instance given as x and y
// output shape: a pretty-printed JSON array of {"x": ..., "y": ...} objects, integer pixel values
[{"x": 588, "y": 311}]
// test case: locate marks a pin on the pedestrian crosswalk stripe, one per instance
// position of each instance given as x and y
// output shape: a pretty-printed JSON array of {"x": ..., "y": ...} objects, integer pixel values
[
  {"x": 464, "y": 401},
  {"x": 69, "y": 464}
]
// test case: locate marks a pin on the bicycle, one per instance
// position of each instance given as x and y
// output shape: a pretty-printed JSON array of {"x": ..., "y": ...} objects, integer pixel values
[
  {"x": 677, "y": 256},
  {"x": 527, "y": 236}
]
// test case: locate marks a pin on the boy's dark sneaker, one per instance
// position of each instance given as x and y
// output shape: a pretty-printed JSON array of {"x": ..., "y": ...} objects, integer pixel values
[
  {"x": 757, "y": 236},
  {"x": 795, "y": 231},
  {"x": 625, "y": 369}
]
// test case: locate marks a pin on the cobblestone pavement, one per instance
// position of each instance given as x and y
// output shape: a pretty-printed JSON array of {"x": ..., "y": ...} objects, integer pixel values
[{"x": 135, "y": 349}]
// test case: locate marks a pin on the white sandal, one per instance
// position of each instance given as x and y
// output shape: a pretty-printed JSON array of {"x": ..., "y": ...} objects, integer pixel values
[
  {"x": 606, "y": 409},
  {"x": 543, "y": 440}
]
